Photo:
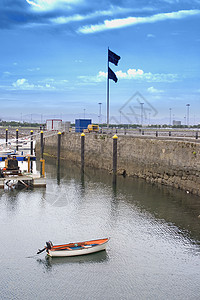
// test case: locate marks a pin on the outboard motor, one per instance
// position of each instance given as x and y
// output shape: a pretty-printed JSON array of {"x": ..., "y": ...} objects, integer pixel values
[{"x": 49, "y": 245}]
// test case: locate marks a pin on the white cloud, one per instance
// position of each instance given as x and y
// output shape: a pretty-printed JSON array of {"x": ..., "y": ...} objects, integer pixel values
[
  {"x": 153, "y": 90},
  {"x": 130, "y": 21},
  {"x": 23, "y": 84},
  {"x": 132, "y": 74},
  {"x": 46, "y": 84},
  {"x": 74, "y": 18},
  {"x": 33, "y": 3},
  {"x": 150, "y": 35},
  {"x": 44, "y": 5}
]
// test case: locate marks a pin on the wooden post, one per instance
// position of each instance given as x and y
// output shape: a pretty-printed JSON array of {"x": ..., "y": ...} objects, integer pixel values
[
  {"x": 29, "y": 164},
  {"x": 6, "y": 137},
  {"x": 82, "y": 152},
  {"x": 42, "y": 174},
  {"x": 31, "y": 142},
  {"x": 115, "y": 138},
  {"x": 41, "y": 152},
  {"x": 170, "y": 133},
  {"x": 196, "y": 135},
  {"x": 156, "y": 133},
  {"x": 41, "y": 144},
  {"x": 17, "y": 135},
  {"x": 59, "y": 144}
]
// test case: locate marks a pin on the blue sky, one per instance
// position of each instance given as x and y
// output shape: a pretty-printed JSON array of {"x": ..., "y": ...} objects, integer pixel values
[{"x": 54, "y": 59}]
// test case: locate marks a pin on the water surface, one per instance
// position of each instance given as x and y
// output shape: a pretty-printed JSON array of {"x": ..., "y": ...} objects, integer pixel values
[{"x": 153, "y": 253}]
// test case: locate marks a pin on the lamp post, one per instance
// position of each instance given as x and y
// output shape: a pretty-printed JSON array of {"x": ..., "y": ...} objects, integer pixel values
[
  {"x": 99, "y": 112},
  {"x": 141, "y": 113},
  {"x": 120, "y": 116},
  {"x": 188, "y": 112},
  {"x": 170, "y": 116},
  {"x": 84, "y": 113}
]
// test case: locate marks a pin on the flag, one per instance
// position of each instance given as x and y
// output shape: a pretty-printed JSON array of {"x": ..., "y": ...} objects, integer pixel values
[
  {"x": 111, "y": 75},
  {"x": 113, "y": 58}
]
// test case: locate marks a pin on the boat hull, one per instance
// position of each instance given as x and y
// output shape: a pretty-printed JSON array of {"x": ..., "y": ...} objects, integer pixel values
[{"x": 86, "y": 249}]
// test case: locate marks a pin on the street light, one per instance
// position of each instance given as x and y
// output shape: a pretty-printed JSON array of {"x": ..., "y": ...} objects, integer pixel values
[
  {"x": 170, "y": 116},
  {"x": 141, "y": 113},
  {"x": 100, "y": 112},
  {"x": 84, "y": 113},
  {"x": 188, "y": 108}
]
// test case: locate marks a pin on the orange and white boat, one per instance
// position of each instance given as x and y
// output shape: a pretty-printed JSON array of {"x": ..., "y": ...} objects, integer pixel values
[{"x": 74, "y": 249}]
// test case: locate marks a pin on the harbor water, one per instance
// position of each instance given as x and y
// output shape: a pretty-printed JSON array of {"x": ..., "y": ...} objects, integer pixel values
[{"x": 154, "y": 247}]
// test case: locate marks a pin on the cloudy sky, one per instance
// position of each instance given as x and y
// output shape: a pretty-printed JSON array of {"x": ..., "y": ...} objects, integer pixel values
[{"x": 54, "y": 58}]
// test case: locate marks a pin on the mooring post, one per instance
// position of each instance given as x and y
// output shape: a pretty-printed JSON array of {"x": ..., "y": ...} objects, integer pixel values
[
  {"x": 170, "y": 133},
  {"x": 59, "y": 144},
  {"x": 31, "y": 132},
  {"x": 29, "y": 164},
  {"x": 6, "y": 137},
  {"x": 82, "y": 152},
  {"x": 17, "y": 135},
  {"x": 41, "y": 144},
  {"x": 196, "y": 135},
  {"x": 115, "y": 138},
  {"x": 42, "y": 171},
  {"x": 41, "y": 152},
  {"x": 31, "y": 142},
  {"x": 156, "y": 133}
]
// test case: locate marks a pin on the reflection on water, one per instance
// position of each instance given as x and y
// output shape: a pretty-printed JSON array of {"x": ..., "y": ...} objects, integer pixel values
[
  {"x": 175, "y": 207},
  {"x": 49, "y": 262},
  {"x": 153, "y": 252}
]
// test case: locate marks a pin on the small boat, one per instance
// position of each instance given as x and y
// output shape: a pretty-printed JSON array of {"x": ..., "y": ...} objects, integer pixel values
[{"x": 74, "y": 249}]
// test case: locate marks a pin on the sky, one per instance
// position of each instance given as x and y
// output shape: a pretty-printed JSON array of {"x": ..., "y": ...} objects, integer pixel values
[{"x": 54, "y": 60}]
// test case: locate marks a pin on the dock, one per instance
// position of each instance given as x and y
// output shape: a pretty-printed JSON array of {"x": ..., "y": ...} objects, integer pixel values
[
  {"x": 11, "y": 176},
  {"x": 19, "y": 157},
  {"x": 22, "y": 181}
]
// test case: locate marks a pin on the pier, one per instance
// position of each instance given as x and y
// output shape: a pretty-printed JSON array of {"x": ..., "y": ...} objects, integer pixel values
[
  {"x": 16, "y": 163},
  {"x": 25, "y": 180}
]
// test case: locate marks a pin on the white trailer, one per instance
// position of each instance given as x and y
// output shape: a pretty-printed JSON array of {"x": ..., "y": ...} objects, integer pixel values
[{"x": 54, "y": 124}]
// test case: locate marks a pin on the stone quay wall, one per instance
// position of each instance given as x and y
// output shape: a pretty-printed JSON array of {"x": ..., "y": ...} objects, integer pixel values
[{"x": 165, "y": 161}]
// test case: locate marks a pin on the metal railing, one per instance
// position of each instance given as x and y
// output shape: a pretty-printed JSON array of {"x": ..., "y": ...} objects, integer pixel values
[{"x": 151, "y": 132}]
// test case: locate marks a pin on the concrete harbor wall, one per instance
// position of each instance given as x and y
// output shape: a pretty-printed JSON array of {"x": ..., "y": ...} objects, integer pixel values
[{"x": 158, "y": 160}]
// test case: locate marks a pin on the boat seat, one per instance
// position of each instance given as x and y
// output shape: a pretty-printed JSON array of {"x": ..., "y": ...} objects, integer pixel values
[{"x": 76, "y": 247}]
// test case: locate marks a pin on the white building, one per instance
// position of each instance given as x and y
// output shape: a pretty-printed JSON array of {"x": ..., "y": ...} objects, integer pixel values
[{"x": 54, "y": 124}]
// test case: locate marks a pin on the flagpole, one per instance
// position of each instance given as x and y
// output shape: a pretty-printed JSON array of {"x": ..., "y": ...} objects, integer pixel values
[{"x": 108, "y": 96}]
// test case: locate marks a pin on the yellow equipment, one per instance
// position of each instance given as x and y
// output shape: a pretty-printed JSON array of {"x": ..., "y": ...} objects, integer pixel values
[{"x": 92, "y": 128}]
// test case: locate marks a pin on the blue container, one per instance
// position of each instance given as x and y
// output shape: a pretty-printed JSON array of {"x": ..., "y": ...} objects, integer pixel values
[{"x": 81, "y": 124}]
